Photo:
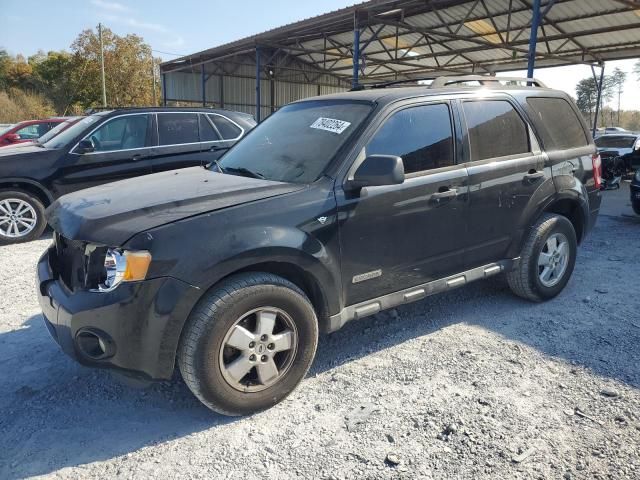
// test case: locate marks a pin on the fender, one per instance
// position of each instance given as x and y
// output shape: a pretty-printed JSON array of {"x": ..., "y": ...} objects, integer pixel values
[
  {"x": 537, "y": 209},
  {"x": 11, "y": 180}
]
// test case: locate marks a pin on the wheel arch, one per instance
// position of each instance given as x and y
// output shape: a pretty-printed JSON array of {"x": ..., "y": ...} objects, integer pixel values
[
  {"x": 29, "y": 186},
  {"x": 574, "y": 210}
]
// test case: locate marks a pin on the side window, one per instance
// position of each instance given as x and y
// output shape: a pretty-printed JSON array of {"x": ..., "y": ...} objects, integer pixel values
[
  {"x": 495, "y": 129},
  {"x": 177, "y": 128},
  {"x": 207, "y": 132},
  {"x": 31, "y": 132},
  {"x": 422, "y": 136},
  {"x": 557, "y": 123},
  {"x": 228, "y": 130},
  {"x": 121, "y": 133}
]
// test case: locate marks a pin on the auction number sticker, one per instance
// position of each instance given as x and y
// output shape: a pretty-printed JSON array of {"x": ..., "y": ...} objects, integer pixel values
[{"x": 330, "y": 125}]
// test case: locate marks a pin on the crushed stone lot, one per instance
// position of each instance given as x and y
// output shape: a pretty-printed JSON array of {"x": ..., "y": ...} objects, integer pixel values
[{"x": 474, "y": 383}]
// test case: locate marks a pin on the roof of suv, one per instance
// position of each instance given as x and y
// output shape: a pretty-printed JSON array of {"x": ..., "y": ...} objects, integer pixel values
[
  {"x": 392, "y": 94},
  {"x": 120, "y": 110}
]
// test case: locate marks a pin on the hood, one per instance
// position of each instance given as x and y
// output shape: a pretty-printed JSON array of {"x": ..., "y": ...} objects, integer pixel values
[
  {"x": 30, "y": 143},
  {"x": 23, "y": 148},
  {"x": 112, "y": 213}
]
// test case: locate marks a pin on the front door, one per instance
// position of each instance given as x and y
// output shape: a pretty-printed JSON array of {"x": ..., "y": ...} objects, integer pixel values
[
  {"x": 121, "y": 149},
  {"x": 395, "y": 237},
  {"x": 506, "y": 169}
]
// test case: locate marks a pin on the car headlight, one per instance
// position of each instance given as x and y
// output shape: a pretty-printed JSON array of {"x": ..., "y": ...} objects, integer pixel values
[{"x": 124, "y": 266}]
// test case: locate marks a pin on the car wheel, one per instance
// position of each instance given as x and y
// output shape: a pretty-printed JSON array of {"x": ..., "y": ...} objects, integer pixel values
[
  {"x": 636, "y": 207},
  {"x": 248, "y": 343},
  {"x": 21, "y": 217},
  {"x": 546, "y": 261}
]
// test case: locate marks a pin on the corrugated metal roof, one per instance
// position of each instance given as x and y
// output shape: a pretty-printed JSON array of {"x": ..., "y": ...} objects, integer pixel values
[{"x": 412, "y": 38}]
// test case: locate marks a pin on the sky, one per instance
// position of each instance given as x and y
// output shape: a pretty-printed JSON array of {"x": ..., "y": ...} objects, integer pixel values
[{"x": 187, "y": 26}]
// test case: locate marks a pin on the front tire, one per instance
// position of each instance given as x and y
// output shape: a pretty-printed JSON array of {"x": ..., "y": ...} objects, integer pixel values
[
  {"x": 546, "y": 261},
  {"x": 22, "y": 217},
  {"x": 248, "y": 343}
]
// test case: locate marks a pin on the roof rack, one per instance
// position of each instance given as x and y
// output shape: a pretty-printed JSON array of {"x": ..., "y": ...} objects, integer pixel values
[
  {"x": 442, "y": 82},
  {"x": 92, "y": 110},
  {"x": 485, "y": 80}
]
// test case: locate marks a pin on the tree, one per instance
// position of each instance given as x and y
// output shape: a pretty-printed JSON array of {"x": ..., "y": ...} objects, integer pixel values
[
  {"x": 128, "y": 69},
  {"x": 618, "y": 77},
  {"x": 587, "y": 95},
  {"x": 53, "y": 76}
]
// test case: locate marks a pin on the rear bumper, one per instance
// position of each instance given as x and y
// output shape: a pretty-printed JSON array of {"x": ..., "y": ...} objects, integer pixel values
[{"x": 139, "y": 323}]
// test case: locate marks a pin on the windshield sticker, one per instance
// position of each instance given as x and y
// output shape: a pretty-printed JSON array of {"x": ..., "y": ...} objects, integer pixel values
[{"x": 331, "y": 125}]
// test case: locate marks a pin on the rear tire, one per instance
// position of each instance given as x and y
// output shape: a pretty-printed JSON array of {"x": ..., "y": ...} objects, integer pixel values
[
  {"x": 22, "y": 217},
  {"x": 546, "y": 261},
  {"x": 248, "y": 343}
]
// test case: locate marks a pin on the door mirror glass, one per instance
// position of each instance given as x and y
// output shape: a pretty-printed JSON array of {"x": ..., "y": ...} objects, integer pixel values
[
  {"x": 378, "y": 170},
  {"x": 85, "y": 146}
]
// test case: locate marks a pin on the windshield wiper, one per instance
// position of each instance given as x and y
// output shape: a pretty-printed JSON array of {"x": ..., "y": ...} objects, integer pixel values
[
  {"x": 244, "y": 172},
  {"x": 217, "y": 163}
]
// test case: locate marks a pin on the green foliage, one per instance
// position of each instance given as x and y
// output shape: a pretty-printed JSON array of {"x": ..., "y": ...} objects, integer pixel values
[{"x": 69, "y": 82}]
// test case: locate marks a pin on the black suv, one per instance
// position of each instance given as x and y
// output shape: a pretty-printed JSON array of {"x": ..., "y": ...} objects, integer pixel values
[
  {"x": 334, "y": 208},
  {"x": 104, "y": 147}
]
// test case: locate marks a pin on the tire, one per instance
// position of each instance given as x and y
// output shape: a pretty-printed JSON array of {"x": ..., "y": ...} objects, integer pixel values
[
  {"x": 31, "y": 221},
  {"x": 636, "y": 206},
  {"x": 529, "y": 279},
  {"x": 206, "y": 359}
]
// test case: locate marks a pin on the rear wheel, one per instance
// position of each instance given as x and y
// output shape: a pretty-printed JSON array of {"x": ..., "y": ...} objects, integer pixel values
[
  {"x": 21, "y": 217},
  {"x": 547, "y": 259},
  {"x": 248, "y": 343}
]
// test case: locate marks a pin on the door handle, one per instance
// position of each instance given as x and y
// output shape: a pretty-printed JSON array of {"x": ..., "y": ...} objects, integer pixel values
[
  {"x": 444, "y": 195},
  {"x": 137, "y": 157},
  {"x": 534, "y": 175}
]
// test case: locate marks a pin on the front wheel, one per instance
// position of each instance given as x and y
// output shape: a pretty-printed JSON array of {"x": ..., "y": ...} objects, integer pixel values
[
  {"x": 546, "y": 261},
  {"x": 248, "y": 343},
  {"x": 21, "y": 217}
]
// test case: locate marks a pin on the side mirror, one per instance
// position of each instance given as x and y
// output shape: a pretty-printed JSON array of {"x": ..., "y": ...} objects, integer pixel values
[
  {"x": 378, "y": 170},
  {"x": 85, "y": 146},
  {"x": 12, "y": 137}
]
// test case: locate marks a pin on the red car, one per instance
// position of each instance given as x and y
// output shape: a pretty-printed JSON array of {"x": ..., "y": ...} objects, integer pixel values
[
  {"x": 58, "y": 128},
  {"x": 28, "y": 130}
]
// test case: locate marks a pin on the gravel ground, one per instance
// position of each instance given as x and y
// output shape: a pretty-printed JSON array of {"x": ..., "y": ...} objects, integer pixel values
[{"x": 474, "y": 383}]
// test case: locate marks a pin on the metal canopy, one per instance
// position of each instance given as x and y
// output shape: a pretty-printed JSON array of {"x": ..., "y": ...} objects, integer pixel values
[{"x": 408, "y": 38}]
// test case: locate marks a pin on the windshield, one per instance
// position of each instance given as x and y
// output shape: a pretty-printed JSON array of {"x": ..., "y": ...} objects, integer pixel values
[
  {"x": 297, "y": 143},
  {"x": 56, "y": 130},
  {"x": 611, "y": 141},
  {"x": 70, "y": 133}
]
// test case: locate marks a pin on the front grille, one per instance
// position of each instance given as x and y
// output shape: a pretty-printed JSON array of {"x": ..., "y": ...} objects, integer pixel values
[
  {"x": 70, "y": 262},
  {"x": 77, "y": 269}
]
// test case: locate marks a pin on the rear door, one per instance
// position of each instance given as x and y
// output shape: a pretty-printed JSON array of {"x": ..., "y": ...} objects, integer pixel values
[
  {"x": 217, "y": 134},
  {"x": 506, "y": 169},
  {"x": 178, "y": 141},
  {"x": 122, "y": 147}
]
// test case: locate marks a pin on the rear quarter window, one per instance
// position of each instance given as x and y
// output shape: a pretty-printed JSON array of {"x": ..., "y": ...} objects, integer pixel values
[{"x": 557, "y": 123}]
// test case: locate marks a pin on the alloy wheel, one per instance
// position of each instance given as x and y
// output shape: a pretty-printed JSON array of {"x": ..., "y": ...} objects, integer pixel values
[
  {"x": 258, "y": 349},
  {"x": 17, "y": 218},
  {"x": 553, "y": 259}
]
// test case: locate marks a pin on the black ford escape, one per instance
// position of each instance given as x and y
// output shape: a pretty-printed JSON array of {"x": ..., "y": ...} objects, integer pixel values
[
  {"x": 333, "y": 209},
  {"x": 104, "y": 147}
]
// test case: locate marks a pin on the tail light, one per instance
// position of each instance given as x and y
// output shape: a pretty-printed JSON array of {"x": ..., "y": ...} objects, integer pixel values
[{"x": 597, "y": 169}]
